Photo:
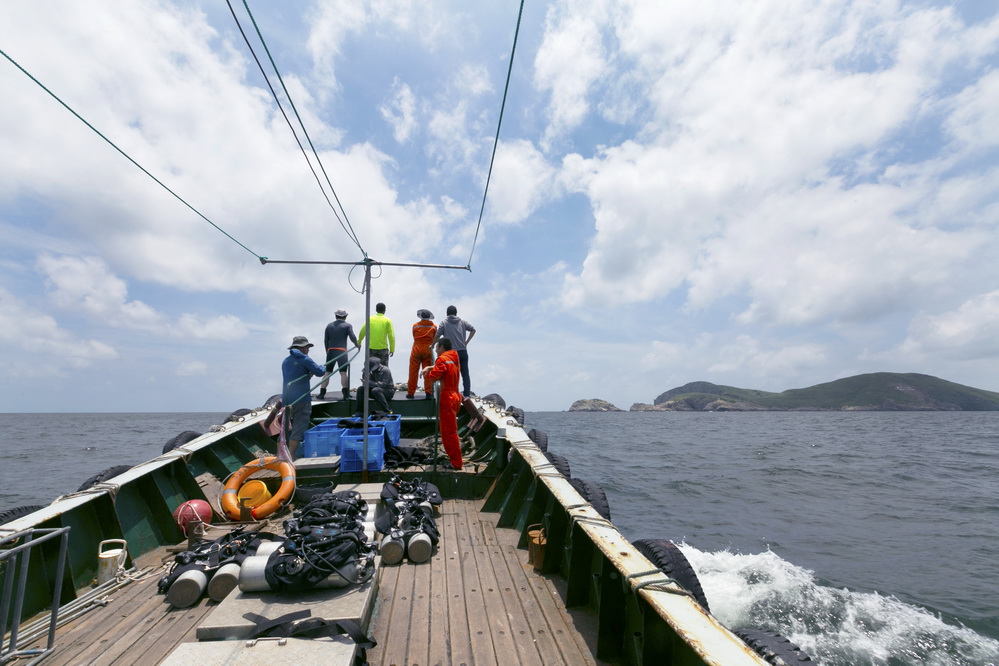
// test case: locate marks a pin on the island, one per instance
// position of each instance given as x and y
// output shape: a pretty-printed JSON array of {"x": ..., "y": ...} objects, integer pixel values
[
  {"x": 593, "y": 405},
  {"x": 879, "y": 391}
]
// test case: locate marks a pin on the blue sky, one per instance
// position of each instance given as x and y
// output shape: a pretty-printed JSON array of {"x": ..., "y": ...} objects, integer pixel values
[{"x": 768, "y": 195}]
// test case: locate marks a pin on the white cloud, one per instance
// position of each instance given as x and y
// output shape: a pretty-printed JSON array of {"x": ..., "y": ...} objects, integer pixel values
[
  {"x": 400, "y": 111},
  {"x": 974, "y": 120},
  {"x": 969, "y": 332},
  {"x": 570, "y": 62},
  {"x": 763, "y": 169},
  {"x": 86, "y": 284},
  {"x": 34, "y": 345},
  {"x": 192, "y": 369},
  {"x": 455, "y": 130},
  {"x": 743, "y": 194},
  {"x": 522, "y": 180}
]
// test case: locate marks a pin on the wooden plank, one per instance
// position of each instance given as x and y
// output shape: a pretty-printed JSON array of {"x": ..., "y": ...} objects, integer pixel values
[
  {"x": 552, "y": 629},
  {"x": 476, "y": 601},
  {"x": 124, "y": 631},
  {"x": 419, "y": 634},
  {"x": 440, "y": 631},
  {"x": 497, "y": 616},
  {"x": 80, "y": 634},
  {"x": 460, "y": 647},
  {"x": 388, "y": 578},
  {"x": 397, "y": 611},
  {"x": 170, "y": 632},
  {"x": 522, "y": 614}
]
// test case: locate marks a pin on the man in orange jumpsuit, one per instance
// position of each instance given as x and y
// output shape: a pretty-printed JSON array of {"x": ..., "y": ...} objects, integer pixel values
[
  {"x": 448, "y": 371},
  {"x": 424, "y": 332}
]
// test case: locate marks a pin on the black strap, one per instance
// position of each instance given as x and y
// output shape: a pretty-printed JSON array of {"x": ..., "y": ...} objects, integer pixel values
[
  {"x": 287, "y": 626},
  {"x": 264, "y": 626}
]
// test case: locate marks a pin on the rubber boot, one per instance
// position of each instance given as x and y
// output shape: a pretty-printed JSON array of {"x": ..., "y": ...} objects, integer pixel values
[
  {"x": 322, "y": 394},
  {"x": 346, "y": 394}
]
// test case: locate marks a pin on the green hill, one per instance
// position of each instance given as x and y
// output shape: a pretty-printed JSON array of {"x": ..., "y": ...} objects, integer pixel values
[{"x": 879, "y": 391}]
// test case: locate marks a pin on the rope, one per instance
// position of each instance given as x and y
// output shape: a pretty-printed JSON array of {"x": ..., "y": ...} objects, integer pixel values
[
  {"x": 659, "y": 584},
  {"x": 179, "y": 452},
  {"x": 344, "y": 223},
  {"x": 499, "y": 124},
  {"x": 127, "y": 156},
  {"x": 103, "y": 487}
]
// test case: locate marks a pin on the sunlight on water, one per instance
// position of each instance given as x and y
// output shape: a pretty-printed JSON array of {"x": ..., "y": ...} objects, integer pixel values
[{"x": 834, "y": 626}]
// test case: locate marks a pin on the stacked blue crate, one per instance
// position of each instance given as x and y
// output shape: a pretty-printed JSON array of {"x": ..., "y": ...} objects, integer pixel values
[
  {"x": 322, "y": 440},
  {"x": 393, "y": 426},
  {"x": 352, "y": 446}
]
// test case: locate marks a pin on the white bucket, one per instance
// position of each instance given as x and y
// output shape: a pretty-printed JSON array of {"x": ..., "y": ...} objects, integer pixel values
[{"x": 111, "y": 560}]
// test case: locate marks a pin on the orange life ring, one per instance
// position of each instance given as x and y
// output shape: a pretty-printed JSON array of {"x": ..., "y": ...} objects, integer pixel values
[{"x": 230, "y": 503}]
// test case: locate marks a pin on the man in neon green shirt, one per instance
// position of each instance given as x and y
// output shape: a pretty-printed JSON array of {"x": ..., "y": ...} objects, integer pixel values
[{"x": 382, "y": 340}]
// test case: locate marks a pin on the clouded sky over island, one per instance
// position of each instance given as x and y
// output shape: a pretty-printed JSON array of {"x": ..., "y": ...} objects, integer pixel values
[{"x": 768, "y": 194}]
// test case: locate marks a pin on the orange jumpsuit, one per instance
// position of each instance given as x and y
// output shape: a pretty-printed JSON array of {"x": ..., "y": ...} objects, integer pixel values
[
  {"x": 424, "y": 332},
  {"x": 448, "y": 370}
]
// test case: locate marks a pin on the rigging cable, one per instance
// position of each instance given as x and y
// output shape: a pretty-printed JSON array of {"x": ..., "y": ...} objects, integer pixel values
[
  {"x": 499, "y": 124},
  {"x": 128, "y": 157},
  {"x": 344, "y": 223}
]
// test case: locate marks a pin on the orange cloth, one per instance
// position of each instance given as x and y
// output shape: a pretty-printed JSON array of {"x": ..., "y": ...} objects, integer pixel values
[
  {"x": 448, "y": 370},
  {"x": 424, "y": 332}
]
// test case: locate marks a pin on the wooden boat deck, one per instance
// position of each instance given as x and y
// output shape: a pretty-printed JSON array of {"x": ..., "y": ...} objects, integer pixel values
[
  {"x": 137, "y": 626},
  {"x": 476, "y": 601}
]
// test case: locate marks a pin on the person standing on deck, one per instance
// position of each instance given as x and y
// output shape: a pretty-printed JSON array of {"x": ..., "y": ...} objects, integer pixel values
[
  {"x": 424, "y": 332},
  {"x": 297, "y": 371},
  {"x": 338, "y": 332},
  {"x": 382, "y": 340},
  {"x": 447, "y": 369},
  {"x": 460, "y": 333}
]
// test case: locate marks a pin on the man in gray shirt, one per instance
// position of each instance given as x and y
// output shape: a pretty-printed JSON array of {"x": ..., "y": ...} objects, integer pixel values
[
  {"x": 460, "y": 333},
  {"x": 338, "y": 332}
]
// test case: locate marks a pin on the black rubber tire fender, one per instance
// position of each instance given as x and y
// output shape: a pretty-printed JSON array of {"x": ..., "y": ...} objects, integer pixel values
[
  {"x": 497, "y": 399},
  {"x": 774, "y": 648},
  {"x": 109, "y": 473},
  {"x": 560, "y": 463},
  {"x": 539, "y": 437},
  {"x": 238, "y": 415},
  {"x": 18, "y": 511},
  {"x": 594, "y": 494},
  {"x": 271, "y": 402},
  {"x": 180, "y": 439},
  {"x": 518, "y": 414},
  {"x": 668, "y": 557}
]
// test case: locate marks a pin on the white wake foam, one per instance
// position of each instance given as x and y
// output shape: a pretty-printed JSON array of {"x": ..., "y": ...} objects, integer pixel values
[{"x": 834, "y": 626}]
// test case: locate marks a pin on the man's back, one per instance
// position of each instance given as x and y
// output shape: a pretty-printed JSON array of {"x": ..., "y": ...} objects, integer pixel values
[
  {"x": 381, "y": 334},
  {"x": 337, "y": 334}
]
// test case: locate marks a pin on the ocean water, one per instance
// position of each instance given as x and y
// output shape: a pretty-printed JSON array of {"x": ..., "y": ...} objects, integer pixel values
[{"x": 866, "y": 538}]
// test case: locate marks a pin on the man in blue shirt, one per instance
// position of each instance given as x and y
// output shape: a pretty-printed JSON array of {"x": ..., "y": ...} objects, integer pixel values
[{"x": 297, "y": 371}]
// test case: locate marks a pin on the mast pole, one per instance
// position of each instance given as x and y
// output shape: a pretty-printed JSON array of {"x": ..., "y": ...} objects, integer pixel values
[{"x": 365, "y": 375}]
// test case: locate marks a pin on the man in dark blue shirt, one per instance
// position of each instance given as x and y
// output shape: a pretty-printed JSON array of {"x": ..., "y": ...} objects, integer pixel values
[
  {"x": 338, "y": 332},
  {"x": 296, "y": 396}
]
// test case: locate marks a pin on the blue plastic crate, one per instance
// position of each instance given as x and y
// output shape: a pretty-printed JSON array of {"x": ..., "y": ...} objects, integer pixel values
[
  {"x": 393, "y": 426},
  {"x": 352, "y": 445},
  {"x": 316, "y": 443},
  {"x": 321, "y": 440}
]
